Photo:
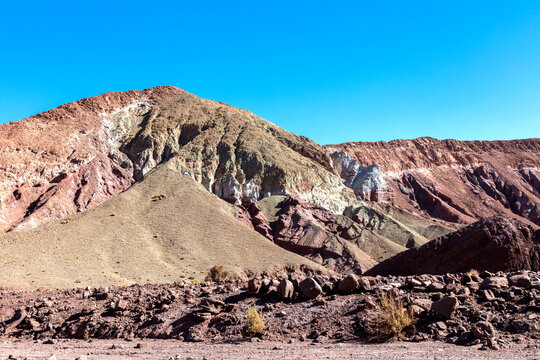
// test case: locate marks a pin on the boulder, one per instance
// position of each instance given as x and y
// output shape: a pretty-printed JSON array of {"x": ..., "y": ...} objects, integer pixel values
[
  {"x": 348, "y": 284},
  {"x": 483, "y": 330},
  {"x": 521, "y": 280},
  {"x": 364, "y": 284},
  {"x": 446, "y": 306},
  {"x": 254, "y": 286},
  {"x": 494, "y": 282},
  {"x": 285, "y": 289},
  {"x": 310, "y": 288}
]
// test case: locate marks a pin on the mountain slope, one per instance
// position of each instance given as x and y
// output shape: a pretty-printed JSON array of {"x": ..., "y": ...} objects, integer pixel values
[
  {"x": 495, "y": 244},
  {"x": 133, "y": 239},
  {"x": 457, "y": 181}
]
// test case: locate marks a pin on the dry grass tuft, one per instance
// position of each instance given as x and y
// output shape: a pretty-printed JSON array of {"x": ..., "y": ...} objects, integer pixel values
[
  {"x": 218, "y": 273},
  {"x": 472, "y": 272},
  {"x": 388, "y": 319},
  {"x": 158, "y": 197},
  {"x": 66, "y": 220},
  {"x": 254, "y": 321}
]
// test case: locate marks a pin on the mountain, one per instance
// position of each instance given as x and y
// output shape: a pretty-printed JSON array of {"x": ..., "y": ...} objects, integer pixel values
[
  {"x": 78, "y": 155},
  {"x": 457, "y": 181},
  {"x": 64, "y": 172}
]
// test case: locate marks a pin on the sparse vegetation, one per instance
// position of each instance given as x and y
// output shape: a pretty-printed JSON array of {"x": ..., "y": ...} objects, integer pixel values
[
  {"x": 158, "y": 197},
  {"x": 66, "y": 220},
  {"x": 254, "y": 321},
  {"x": 388, "y": 319},
  {"x": 218, "y": 273}
]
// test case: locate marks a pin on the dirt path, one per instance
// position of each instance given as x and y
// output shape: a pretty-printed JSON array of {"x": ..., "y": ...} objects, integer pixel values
[{"x": 170, "y": 349}]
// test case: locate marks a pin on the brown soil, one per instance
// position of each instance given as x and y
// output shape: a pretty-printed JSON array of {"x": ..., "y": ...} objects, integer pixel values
[{"x": 170, "y": 349}]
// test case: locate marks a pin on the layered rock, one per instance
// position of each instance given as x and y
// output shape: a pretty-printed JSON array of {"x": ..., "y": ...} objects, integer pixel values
[
  {"x": 457, "y": 181},
  {"x": 494, "y": 244},
  {"x": 345, "y": 243},
  {"x": 76, "y": 156}
]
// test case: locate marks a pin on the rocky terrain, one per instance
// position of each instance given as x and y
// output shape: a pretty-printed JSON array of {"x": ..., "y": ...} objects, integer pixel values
[
  {"x": 495, "y": 244},
  {"x": 486, "y": 310}
]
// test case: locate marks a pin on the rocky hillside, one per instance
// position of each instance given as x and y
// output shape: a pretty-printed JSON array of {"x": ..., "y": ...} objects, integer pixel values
[
  {"x": 75, "y": 157},
  {"x": 494, "y": 244},
  {"x": 458, "y": 181}
]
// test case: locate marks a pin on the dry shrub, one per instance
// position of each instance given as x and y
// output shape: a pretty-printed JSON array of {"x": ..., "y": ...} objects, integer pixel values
[
  {"x": 254, "y": 321},
  {"x": 159, "y": 197},
  {"x": 388, "y": 319},
  {"x": 472, "y": 272},
  {"x": 218, "y": 273}
]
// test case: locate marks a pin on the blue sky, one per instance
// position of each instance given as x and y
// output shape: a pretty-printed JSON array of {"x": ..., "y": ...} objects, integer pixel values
[{"x": 334, "y": 71}]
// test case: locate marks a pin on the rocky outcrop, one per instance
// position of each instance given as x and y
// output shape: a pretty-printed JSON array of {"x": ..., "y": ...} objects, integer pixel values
[
  {"x": 457, "y": 181},
  {"x": 66, "y": 160},
  {"x": 348, "y": 243},
  {"x": 494, "y": 244}
]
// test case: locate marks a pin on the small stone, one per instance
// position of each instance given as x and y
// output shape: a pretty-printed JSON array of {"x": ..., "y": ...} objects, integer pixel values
[
  {"x": 141, "y": 346},
  {"x": 488, "y": 295}
]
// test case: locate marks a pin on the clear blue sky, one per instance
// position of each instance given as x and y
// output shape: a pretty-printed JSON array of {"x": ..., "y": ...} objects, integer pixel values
[{"x": 334, "y": 71}]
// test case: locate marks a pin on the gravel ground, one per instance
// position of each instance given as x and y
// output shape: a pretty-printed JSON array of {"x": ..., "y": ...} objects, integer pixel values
[{"x": 170, "y": 349}]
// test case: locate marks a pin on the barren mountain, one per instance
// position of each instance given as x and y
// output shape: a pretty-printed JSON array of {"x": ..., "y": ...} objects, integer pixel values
[
  {"x": 346, "y": 207},
  {"x": 458, "y": 181},
  {"x": 78, "y": 155},
  {"x": 75, "y": 157}
]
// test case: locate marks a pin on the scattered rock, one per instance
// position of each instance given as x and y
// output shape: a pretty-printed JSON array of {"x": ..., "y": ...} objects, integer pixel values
[
  {"x": 285, "y": 289},
  {"x": 483, "y": 330}
]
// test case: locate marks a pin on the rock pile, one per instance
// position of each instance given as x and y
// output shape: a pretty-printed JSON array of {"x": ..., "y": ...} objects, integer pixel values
[{"x": 490, "y": 310}]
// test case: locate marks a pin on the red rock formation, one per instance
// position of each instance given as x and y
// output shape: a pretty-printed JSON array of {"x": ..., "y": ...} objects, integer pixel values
[
  {"x": 495, "y": 244},
  {"x": 457, "y": 181},
  {"x": 63, "y": 160}
]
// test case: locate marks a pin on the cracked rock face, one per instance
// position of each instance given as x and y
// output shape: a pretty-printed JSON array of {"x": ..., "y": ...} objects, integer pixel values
[{"x": 456, "y": 181}]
